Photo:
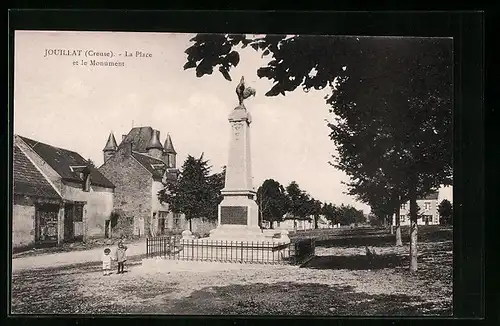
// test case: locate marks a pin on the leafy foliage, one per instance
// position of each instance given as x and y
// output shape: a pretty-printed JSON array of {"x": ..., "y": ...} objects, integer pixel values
[
  {"x": 445, "y": 210},
  {"x": 316, "y": 208},
  {"x": 196, "y": 193},
  {"x": 331, "y": 213},
  {"x": 350, "y": 215},
  {"x": 299, "y": 202},
  {"x": 272, "y": 200}
]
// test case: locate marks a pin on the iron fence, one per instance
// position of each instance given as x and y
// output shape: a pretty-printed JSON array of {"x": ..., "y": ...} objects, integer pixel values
[{"x": 253, "y": 252}]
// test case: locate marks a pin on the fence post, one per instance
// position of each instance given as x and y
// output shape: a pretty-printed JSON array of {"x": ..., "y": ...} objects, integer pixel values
[{"x": 242, "y": 252}]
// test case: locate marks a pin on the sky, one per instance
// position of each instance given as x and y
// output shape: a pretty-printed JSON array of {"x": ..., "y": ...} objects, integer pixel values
[{"x": 76, "y": 106}]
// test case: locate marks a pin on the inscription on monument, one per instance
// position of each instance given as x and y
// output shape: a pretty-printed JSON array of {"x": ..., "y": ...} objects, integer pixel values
[{"x": 233, "y": 215}]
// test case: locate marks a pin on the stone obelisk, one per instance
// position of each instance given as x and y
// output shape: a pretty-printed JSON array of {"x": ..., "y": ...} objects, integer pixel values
[{"x": 238, "y": 213}]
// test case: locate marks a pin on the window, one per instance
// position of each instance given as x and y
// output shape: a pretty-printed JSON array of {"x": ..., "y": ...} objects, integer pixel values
[
  {"x": 402, "y": 218},
  {"x": 78, "y": 214},
  {"x": 427, "y": 205},
  {"x": 403, "y": 206},
  {"x": 177, "y": 221}
]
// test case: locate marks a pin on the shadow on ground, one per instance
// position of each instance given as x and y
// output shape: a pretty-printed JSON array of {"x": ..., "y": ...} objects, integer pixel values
[
  {"x": 357, "y": 262},
  {"x": 301, "y": 299},
  {"x": 372, "y": 237}
]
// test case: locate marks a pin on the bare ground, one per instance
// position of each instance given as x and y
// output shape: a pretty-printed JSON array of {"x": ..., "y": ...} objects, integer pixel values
[{"x": 338, "y": 281}]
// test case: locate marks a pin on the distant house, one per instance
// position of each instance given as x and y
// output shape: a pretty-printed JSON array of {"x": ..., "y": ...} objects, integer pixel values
[
  {"x": 428, "y": 214},
  {"x": 139, "y": 167},
  {"x": 58, "y": 196}
]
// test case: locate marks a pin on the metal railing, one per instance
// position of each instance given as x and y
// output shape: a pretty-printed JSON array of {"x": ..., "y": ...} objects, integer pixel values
[{"x": 253, "y": 252}]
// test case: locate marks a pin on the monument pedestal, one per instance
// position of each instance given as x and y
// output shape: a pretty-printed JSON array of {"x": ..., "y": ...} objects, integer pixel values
[{"x": 238, "y": 217}]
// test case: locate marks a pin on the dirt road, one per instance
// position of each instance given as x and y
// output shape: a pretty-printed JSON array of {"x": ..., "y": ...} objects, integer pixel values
[{"x": 71, "y": 258}]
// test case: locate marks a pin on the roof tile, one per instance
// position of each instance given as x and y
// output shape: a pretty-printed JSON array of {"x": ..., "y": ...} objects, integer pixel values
[
  {"x": 28, "y": 180},
  {"x": 61, "y": 161}
]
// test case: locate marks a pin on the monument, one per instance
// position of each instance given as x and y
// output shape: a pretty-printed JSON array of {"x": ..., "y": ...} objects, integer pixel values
[
  {"x": 238, "y": 213},
  {"x": 238, "y": 235}
]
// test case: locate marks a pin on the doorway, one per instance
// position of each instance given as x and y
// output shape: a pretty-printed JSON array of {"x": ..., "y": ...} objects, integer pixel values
[
  {"x": 161, "y": 222},
  {"x": 69, "y": 227},
  {"x": 46, "y": 231}
]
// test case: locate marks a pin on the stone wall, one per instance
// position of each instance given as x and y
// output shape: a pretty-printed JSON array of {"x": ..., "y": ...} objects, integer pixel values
[
  {"x": 23, "y": 223},
  {"x": 132, "y": 193}
]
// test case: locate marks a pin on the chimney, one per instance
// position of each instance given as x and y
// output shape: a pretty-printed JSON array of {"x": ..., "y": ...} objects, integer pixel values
[{"x": 127, "y": 149}]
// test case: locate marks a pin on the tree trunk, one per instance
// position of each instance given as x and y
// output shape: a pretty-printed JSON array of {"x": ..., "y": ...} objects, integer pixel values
[
  {"x": 315, "y": 222},
  {"x": 271, "y": 224},
  {"x": 413, "y": 230},
  {"x": 190, "y": 226},
  {"x": 399, "y": 242}
]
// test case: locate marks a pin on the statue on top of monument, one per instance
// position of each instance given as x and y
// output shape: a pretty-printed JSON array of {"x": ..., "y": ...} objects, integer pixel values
[{"x": 244, "y": 92}]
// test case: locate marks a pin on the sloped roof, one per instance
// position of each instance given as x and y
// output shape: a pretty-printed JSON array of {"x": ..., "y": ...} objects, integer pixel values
[
  {"x": 111, "y": 143},
  {"x": 61, "y": 161},
  {"x": 154, "y": 142},
  {"x": 431, "y": 196},
  {"x": 169, "y": 147},
  {"x": 28, "y": 180},
  {"x": 139, "y": 137},
  {"x": 155, "y": 166}
]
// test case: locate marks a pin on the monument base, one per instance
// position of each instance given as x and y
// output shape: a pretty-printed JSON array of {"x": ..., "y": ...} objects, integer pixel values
[{"x": 237, "y": 233}]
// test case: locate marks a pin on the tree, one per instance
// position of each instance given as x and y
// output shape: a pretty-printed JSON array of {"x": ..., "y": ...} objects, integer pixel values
[
  {"x": 316, "y": 209},
  {"x": 391, "y": 99},
  {"x": 196, "y": 193},
  {"x": 331, "y": 213},
  {"x": 445, "y": 210},
  {"x": 215, "y": 183},
  {"x": 350, "y": 215},
  {"x": 272, "y": 201},
  {"x": 299, "y": 206}
]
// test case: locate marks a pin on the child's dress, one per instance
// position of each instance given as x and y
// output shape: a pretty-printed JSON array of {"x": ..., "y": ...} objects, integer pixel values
[{"x": 106, "y": 263}]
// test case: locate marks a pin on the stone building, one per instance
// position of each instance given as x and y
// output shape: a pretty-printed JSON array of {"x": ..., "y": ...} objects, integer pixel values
[
  {"x": 57, "y": 197},
  {"x": 139, "y": 166},
  {"x": 429, "y": 214}
]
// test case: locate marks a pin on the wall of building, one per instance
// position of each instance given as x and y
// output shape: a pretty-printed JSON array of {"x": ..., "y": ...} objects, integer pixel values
[
  {"x": 23, "y": 222},
  {"x": 98, "y": 208},
  {"x": 157, "y": 206},
  {"x": 132, "y": 196},
  {"x": 404, "y": 213}
]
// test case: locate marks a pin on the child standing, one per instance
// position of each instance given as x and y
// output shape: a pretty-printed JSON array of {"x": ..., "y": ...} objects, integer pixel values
[
  {"x": 121, "y": 256},
  {"x": 106, "y": 262}
]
